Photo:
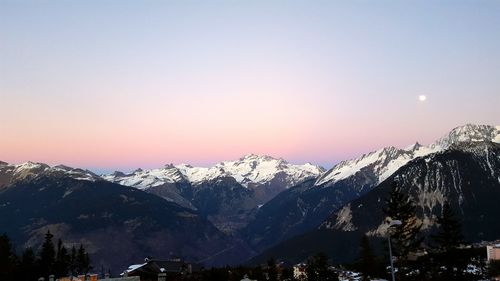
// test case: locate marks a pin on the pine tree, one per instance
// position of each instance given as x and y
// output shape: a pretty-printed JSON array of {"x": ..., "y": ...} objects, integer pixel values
[
  {"x": 449, "y": 234},
  {"x": 366, "y": 263},
  {"x": 62, "y": 261},
  {"x": 47, "y": 256},
  {"x": 82, "y": 262},
  {"x": 8, "y": 259},
  {"x": 449, "y": 238},
  {"x": 405, "y": 237},
  {"x": 27, "y": 267},
  {"x": 73, "y": 262}
]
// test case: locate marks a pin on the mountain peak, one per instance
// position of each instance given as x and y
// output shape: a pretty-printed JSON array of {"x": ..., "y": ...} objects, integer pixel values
[
  {"x": 257, "y": 157},
  {"x": 413, "y": 147},
  {"x": 249, "y": 169},
  {"x": 29, "y": 170},
  {"x": 469, "y": 133},
  {"x": 386, "y": 161}
]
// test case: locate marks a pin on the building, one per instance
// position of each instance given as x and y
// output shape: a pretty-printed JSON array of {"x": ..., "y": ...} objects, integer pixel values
[
  {"x": 88, "y": 277},
  {"x": 299, "y": 271},
  {"x": 493, "y": 252}
]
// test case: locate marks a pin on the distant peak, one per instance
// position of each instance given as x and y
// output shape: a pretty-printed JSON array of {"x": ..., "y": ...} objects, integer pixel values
[
  {"x": 118, "y": 174},
  {"x": 32, "y": 165},
  {"x": 3, "y": 163},
  {"x": 469, "y": 133},
  {"x": 413, "y": 147},
  {"x": 253, "y": 156},
  {"x": 63, "y": 167}
]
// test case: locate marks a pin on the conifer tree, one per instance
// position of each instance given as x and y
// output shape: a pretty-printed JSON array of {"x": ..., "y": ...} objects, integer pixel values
[
  {"x": 47, "y": 256},
  {"x": 366, "y": 263},
  {"x": 62, "y": 261},
  {"x": 405, "y": 237},
  {"x": 73, "y": 262},
  {"x": 82, "y": 261},
  {"x": 27, "y": 267},
  {"x": 8, "y": 259},
  {"x": 449, "y": 234},
  {"x": 450, "y": 262}
]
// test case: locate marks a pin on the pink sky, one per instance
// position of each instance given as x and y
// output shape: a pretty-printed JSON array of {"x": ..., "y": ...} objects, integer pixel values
[{"x": 107, "y": 87}]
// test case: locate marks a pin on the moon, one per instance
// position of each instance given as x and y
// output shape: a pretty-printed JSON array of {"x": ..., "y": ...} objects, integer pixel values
[{"x": 422, "y": 98}]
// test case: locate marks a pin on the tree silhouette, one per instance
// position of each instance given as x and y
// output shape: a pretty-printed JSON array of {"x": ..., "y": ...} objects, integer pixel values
[
  {"x": 405, "y": 236},
  {"x": 47, "y": 256},
  {"x": 450, "y": 261},
  {"x": 62, "y": 261},
  {"x": 82, "y": 262},
  {"x": 449, "y": 234},
  {"x": 8, "y": 259},
  {"x": 28, "y": 268},
  {"x": 366, "y": 263}
]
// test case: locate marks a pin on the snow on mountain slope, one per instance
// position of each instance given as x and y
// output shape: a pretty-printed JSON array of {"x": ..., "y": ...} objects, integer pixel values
[
  {"x": 144, "y": 179},
  {"x": 11, "y": 172},
  {"x": 386, "y": 161},
  {"x": 250, "y": 169},
  {"x": 256, "y": 169}
]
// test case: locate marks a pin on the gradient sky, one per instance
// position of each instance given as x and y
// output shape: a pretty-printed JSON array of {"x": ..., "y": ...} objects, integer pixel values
[{"x": 123, "y": 84}]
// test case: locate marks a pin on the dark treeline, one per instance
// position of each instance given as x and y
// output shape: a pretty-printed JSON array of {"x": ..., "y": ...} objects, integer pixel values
[{"x": 50, "y": 259}]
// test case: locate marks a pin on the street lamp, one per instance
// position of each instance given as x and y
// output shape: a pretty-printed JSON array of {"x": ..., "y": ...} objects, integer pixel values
[{"x": 391, "y": 223}]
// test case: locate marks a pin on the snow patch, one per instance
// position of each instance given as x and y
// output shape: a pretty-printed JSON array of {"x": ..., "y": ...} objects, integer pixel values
[
  {"x": 384, "y": 162},
  {"x": 249, "y": 170}
]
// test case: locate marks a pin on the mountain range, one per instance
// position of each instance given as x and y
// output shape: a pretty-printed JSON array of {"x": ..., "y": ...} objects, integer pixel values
[
  {"x": 462, "y": 168},
  {"x": 118, "y": 224},
  {"x": 226, "y": 193},
  {"x": 256, "y": 205}
]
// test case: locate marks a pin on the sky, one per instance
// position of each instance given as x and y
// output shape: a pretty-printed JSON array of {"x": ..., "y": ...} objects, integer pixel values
[{"x": 116, "y": 84}]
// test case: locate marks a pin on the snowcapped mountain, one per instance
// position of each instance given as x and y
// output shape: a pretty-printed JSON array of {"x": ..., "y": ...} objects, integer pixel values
[
  {"x": 305, "y": 206},
  {"x": 248, "y": 171},
  {"x": 118, "y": 224},
  {"x": 463, "y": 170},
  {"x": 384, "y": 162},
  {"x": 10, "y": 173},
  {"x": 226, "y": 193}
]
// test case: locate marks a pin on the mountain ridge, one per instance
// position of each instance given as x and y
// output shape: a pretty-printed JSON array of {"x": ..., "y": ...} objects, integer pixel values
[
  {"x": 466, "y": 175},
  {"x": 299, "y": 209},
  {"x": 250, "y": 169}
]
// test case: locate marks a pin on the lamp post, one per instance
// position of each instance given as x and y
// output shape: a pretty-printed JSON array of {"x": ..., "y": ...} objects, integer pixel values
[{"x": 391, "y": 223}]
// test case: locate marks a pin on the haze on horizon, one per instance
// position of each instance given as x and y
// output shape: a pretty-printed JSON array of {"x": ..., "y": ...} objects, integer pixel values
[{"x": 123, "y": 84}]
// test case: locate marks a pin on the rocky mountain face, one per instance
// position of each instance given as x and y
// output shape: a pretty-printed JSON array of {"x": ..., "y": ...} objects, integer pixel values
[
  {"x": 466, "y": 174},
  {"x": 11, "y": 173},
  {"x": 301, "y": 208},
  {"x": 118, "y": 225},
  {"x": 226, "y": 193}
]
